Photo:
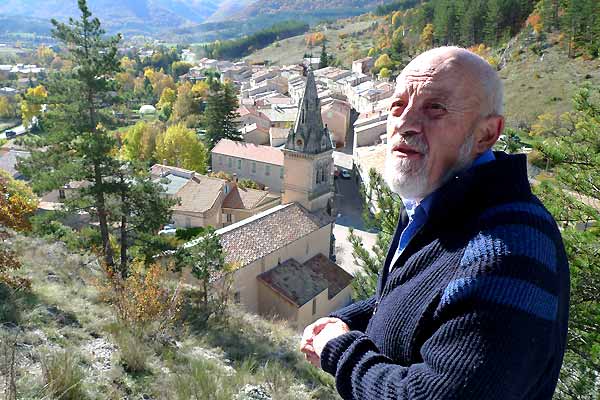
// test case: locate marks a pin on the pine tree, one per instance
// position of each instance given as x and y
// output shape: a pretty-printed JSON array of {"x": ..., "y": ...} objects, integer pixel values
[
  {"x": 387, "y": 207},
  {"x": 77, "y": 145},
  {"x": 324, "y": 60},
  {"x": 491, "y": 24},
  {"x": 220, "y": 116},
  {"x": 569, "y": 195}
]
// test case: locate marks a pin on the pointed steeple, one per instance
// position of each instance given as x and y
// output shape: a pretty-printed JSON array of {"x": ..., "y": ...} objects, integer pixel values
[{"x": 309, "y": 135}]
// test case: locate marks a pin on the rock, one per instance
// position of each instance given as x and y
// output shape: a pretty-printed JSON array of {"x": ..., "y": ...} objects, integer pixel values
[
  {"x": 100, "y": 351},
  {"x": 253, "y": 392}
]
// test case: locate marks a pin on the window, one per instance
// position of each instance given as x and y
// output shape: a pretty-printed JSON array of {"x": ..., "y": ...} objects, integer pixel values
[
  {"x": 323, "y": 174},
  {"x": 318, "y": 175},
  {"x": 229, "y": 162},
  {"x": 237, "y": 297},
  {"x": 61, "y": 194},
  {"x": 253, "y": 167},
  {"x": 267, "y": 170},
  {"x": 220, "y": 160},
  {"x": 239, "y": 164},
  {"x": 314, "y": 308},
  {"x": 281, "y": 172},
  {"x": 188, "y": 222},
  {"x": 228, "y": 218},
  {"x": 307, "y": 247}
]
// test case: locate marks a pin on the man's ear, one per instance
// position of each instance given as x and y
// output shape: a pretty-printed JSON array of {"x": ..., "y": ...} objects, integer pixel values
[{"x": 488, "y": 133}]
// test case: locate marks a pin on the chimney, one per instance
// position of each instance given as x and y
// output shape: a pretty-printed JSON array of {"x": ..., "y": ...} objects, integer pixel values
[
  {"x": 235, "y": 178},
  {"x": 193, "y": 175}
]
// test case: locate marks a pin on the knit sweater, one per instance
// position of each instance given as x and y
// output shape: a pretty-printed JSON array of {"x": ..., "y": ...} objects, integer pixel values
[{"x": 476, "y": 307}]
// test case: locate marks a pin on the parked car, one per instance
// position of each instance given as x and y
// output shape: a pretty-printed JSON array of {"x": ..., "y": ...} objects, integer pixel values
[
  {"x": 168, "y": 229},
  {"x": 10, "y": 134},
  {"x": 345, "y": 174}
]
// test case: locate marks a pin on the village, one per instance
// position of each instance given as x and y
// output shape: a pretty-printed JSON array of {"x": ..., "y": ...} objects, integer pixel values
[{"x": 310, "y": 137}]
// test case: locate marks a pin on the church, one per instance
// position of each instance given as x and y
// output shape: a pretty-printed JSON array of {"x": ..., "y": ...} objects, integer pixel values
[{"x": 283, "y": 254}]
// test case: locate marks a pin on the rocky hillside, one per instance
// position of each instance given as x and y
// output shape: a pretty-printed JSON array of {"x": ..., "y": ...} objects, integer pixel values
[{"x": 61, "y": 336}]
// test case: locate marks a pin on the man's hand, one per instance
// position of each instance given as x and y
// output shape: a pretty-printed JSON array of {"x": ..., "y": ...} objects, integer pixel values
[{"x": 317, "y": 334}]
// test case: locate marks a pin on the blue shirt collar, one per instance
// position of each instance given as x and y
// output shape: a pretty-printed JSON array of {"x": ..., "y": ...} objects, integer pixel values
[{"x": 411, "y": 205}]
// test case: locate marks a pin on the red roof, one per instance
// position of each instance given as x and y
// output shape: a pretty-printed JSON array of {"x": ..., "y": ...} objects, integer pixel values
[{"x": 249, "y": 151}]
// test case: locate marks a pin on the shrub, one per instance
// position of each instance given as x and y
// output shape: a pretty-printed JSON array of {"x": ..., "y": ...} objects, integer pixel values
[
  {"x": 63, "y": 376},
  {"x": 189, "y": 233},
  {"x": 142, "y": 298}
]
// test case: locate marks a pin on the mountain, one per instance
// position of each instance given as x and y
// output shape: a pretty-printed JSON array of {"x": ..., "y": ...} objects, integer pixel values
[
  {"x": 127, "y": 16},
  {"x": 307, "y": 6}
]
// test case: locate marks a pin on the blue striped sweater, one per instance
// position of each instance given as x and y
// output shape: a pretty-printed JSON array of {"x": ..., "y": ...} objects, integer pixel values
[{"x": 476, "y": 307}]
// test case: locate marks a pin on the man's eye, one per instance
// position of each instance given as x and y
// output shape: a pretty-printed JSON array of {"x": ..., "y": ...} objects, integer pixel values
[{"x": 437, "y": 106}]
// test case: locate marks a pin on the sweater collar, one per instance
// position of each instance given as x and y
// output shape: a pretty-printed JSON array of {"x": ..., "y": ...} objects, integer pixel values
[{"x": 481, "y": 186}]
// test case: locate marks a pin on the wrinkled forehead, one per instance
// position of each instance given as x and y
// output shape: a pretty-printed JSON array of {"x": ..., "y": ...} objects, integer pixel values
[{"x": 444, "y": 77}]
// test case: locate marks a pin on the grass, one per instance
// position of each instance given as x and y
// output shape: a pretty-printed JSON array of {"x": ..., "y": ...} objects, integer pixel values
[
  {"x": 63, "y": 376},
  {"x": 534, "y": 85},
  {"x": 295, "y": 47},
  {"x": 65, "y": 327}
]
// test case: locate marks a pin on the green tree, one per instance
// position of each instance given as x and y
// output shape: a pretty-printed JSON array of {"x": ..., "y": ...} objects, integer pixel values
[
  {"x": 324, "y": 60},
  {"x": 387, "y": 206},
  {"x": 220, "y": 117},
  {"x": 206, "y": 261},
  {"x": 180, "y": 147},
  {"x": 570, "y": 195},
  {"x": 78, "y": 147},
  {"x": 179, "y": 68}
]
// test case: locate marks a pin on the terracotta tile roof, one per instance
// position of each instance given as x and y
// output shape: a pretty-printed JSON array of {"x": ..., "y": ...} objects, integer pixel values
[
  {"x": 255, "y": 237},
  {"x": 300, "y": 283},
  {"x": 245, "y": 199},
  {"x": 199, "y": 195},
  {"x": 249, "y": 151}
]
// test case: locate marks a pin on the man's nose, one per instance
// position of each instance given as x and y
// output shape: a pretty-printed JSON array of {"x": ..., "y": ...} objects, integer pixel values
[{"x": 408, "y": 124}]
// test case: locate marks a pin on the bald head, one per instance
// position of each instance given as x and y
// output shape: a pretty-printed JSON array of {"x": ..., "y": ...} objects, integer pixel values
[{"x": 474, "y": 68}]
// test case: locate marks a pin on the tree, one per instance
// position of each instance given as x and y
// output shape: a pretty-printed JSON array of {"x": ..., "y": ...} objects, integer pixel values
[
  {"x": 206, "y": 260},
  {"x": 186, "y": 109},
  {"x": 220, "y": 117},
  {"x": 383, "y": 61},
  {"x": 7, "y": 109},
  {"x": 17, "y": 205},
  {"x": 31, "y": 105},
  {"x": 569, "y": 195},
  {"x": 180, "y": 147},
  {"x": 77, "y": 146},
  {"x": 426, "y": 38},
  {"x": 179, "y": 68},
  {"x": 167, "y": 99},
  {"x": 324, "y": 59},
  {"x": 384, "y": 73},
  {"x": 387, "y": 206},
  {"x": 139, "y": 141}
]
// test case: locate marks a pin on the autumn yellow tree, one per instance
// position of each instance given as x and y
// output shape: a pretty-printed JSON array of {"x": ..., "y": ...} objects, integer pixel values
[
  {"x": 17, "y": 204},
  {"x": 139, "y": 141},
  {"x": 31, "y": 105},
  {"x": 45, "y": 55},
  {"x": 426, "y": 38},
  {"x": 180, "y": 147},
  {"x": 7, "y": 108},
  {"x": 383, "y": 61}
]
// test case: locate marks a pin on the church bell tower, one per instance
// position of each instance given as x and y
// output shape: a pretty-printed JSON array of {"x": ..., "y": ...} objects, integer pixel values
[{"x": 308, "y": 159}]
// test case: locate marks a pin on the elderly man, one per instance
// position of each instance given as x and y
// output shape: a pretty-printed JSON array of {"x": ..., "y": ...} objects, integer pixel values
[{"x": 472, "y": 301}]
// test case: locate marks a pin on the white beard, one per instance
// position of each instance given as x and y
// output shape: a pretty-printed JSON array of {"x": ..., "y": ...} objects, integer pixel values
[{"x": 410, "y": 178}]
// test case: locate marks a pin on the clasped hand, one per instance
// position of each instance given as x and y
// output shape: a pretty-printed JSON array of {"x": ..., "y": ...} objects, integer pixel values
[{"x": 316, "y": 336}]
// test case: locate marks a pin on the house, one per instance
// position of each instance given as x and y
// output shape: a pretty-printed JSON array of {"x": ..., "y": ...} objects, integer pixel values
[
  {"x": 262, "y": 164},
  {"x": 209, "y": 201},
  {"x": 336, "y": 116},
  {"x": 255, "y": 134},
  {"x": 278, "y": 136},
  {"x": 369, "y": 128},
  {"x": 363, "y": 65},
  {"x": 9, "y": 159}
]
